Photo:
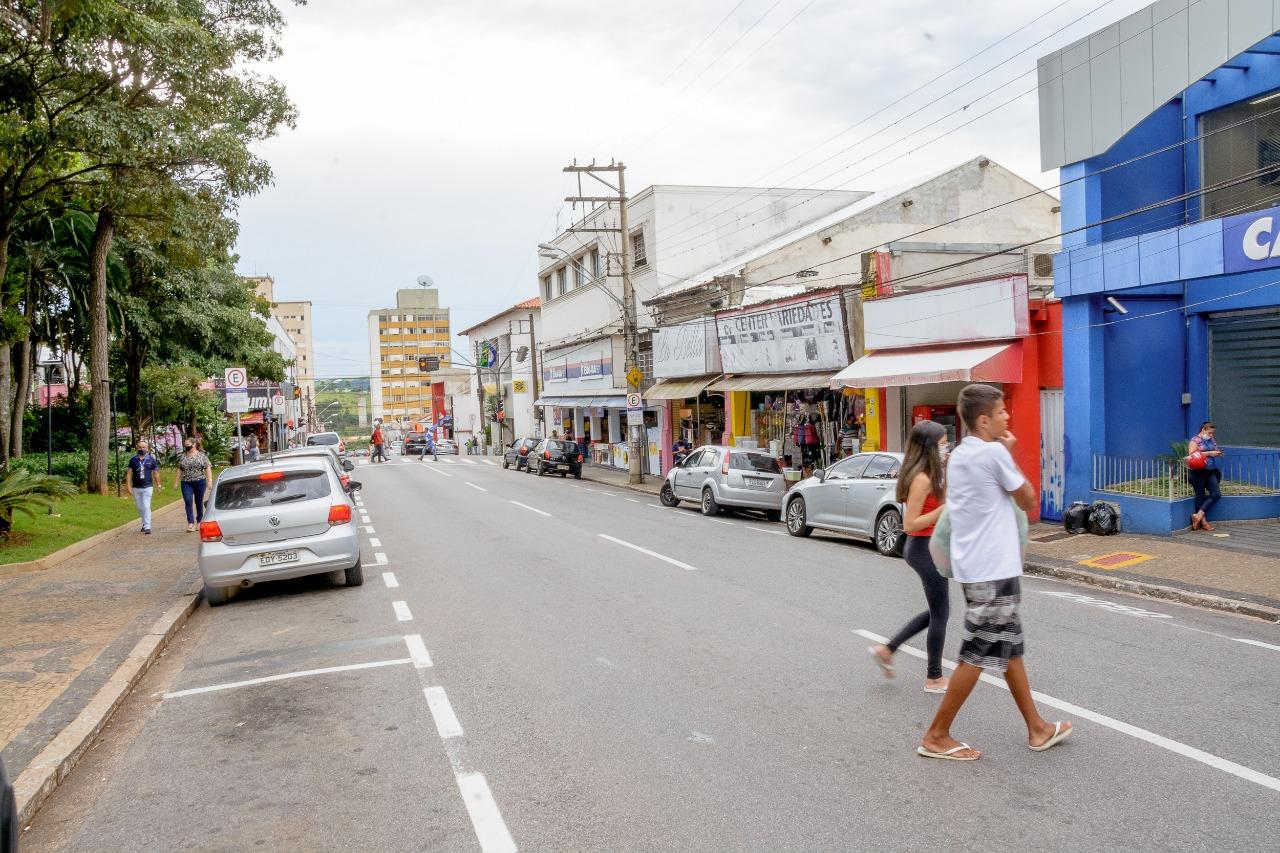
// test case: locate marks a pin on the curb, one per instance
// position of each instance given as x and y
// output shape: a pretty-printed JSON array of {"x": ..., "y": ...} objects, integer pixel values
[
  {"x": 641, "y": 489},
  {"x": 75, "y": 549},
  {"x": 1153, "y": 590},
  {"x": 55, "y": 762}
]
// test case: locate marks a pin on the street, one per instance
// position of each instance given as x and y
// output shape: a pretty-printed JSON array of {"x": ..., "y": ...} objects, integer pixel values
[{"x": 559, "y": 665}]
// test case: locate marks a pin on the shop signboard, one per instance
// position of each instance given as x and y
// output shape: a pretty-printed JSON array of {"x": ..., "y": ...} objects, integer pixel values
[
  {"x": 557, "y": 373},
  {"x": 989, "y": 310},
  {"x": 591, "y": 368},
  {"x": 688, "y": 349},
  {"x": 802, "y": 334},
  {"x": 1251, "y": 241}
]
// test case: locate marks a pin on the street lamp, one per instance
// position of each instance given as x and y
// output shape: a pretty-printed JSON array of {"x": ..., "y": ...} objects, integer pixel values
[{"x": 49, "y": 363}]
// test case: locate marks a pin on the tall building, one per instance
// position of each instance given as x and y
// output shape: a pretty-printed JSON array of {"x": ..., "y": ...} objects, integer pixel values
[
  {"x": 295, "y": 317},
  {"x": 417, "y": 326}
]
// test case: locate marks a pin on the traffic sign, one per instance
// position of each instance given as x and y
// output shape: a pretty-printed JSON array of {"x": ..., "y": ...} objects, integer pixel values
[
  {"x": 634, "y": 377},
  {"x": 519, "y": 386},
  {"x": 237, "y": 401},
  {"x": 237, "y": 379},
  {"x": 277, "y": 404},
  {"x": 634, "y": 401}
]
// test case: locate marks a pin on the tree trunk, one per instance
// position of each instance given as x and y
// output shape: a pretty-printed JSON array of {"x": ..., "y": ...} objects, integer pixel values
[
  {"x": 100, "y": 424},
  {"x": 24, "y": 362},
  {"x": 134, "y": 356},
  {"x": 6, "y": 368}
]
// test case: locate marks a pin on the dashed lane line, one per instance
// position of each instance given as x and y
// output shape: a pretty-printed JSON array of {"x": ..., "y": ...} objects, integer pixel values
[
  {"x": 438, "y": 471},
  {"x": 489, "y": 462},
  {"x": 1258, "y": 643},
  {"x": 379, "y": 558},
  {"x": 763, "y": 530},
  {"x": 1176, "y": 747},
  {"x": 477, "y": 488},
  {"x": 389, "y": 579},
  {"x": 442, "y": 712},
  {"x": 664, "y": 558},
  {"x": 467, "y": 461},
  {"x": 284, "y": 676},
  {"x": 531, "y": 508},
  {"x": 374, "y": 542},
  {"x": 486, "y": 819},
  {"x": 402, "y": 611},
  {"x": 417, "y": 651},
  {"x": 368, "y": 528}
]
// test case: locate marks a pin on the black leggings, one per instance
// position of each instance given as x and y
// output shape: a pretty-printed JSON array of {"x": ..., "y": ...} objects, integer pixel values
[{"x": 936, "y": 594}]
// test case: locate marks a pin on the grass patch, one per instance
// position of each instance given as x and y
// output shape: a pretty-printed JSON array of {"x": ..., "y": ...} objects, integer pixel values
[{"x": 78, "y": 518}]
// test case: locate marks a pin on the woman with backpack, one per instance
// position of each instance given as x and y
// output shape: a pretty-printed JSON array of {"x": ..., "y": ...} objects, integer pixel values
[
  {"x": 921, "y": 490},
  {"x": 1205, "y": 478}
]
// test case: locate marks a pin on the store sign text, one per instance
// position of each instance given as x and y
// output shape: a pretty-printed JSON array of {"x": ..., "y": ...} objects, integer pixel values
[
  {"x": 793, "y": 337},
  {"x": 1251, "y": 241}
]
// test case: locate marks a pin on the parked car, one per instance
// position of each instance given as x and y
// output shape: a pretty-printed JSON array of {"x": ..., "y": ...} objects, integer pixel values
[
  {"x": 327, "y": 438},
  {"x": 517, "y": 453},
  {"x": 277, "y": 520},
  {"x": 446, "y": 446},
  {"x": 342, "y": 467},
  {"x": 415, "y": 443},
  {"x": 855, "y": 495},
  {"x": 717, "y": 476},
  {"x": 555, "y": 456}
]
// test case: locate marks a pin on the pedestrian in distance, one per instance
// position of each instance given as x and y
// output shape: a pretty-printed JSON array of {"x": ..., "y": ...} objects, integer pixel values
[
  {"x": 921, "y": 491},
  {"x": 251, "y": 444},
  {"x": 985, "y": 488},
  {"x": 195, "y": 474},
  {"x": 142, "y": 479},
  {"x": 379, "y": 454},
  {"x": 429, "y": 447},
  {"x": 849, "y": 441},
  {"x": 1205, "y": 480}
]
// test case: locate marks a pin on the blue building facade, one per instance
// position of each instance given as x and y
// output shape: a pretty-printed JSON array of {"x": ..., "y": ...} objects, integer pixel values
[{"x": 1170, "y": 272}]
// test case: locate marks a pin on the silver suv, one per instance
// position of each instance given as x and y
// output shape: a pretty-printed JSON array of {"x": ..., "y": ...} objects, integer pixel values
[
  {"x": 284, "y": 519},
  {"x": 717, "y": 476},
  {"x": 855, "y": 495}
]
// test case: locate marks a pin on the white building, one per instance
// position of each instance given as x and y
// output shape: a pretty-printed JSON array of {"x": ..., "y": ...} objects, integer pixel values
[
  {"x": 503, "y": 346},
  {"x": 675, "y": 231}
]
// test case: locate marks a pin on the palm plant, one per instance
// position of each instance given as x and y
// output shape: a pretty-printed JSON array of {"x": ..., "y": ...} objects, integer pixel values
[{"x": 24, "y": 491}]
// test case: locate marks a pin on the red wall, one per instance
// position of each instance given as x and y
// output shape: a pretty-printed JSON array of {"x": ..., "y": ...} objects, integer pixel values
[{"x": 1041, "y": 368}]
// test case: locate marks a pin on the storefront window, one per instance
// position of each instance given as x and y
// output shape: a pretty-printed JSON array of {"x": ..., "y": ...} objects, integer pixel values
[{"x": 1228, "y": 153}]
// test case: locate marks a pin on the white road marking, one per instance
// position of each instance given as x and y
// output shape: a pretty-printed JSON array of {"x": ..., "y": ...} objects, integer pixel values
[
  {"x": 363, "y": 462},
  {"x": 763, "y": 530},
  {"x": 1113, "y": 606},
  {"x": 722, "y": 521},
  {"x": 477, "y": 488},
  {"x": 491, "y": 830},
  {"x": 379, "y": 558},
  {"x": 586, "y": 489},
  {"x": 438, "y": 471},
  {"x": 467, "y": 461},
  {"x": 286, "y": 676},
  {"x": 653, "y": 554},
  {"x": 442, "y": 712},
  {"x": 389, "y": 579},
  {"x": 631, "y": 500},
  {"x": 531, "y": 509},
  {"x": 1257, "y": 643},
  {"x": 374, "y": 542},
  {"x": 417, "y": 651},
  {"x": 448, "y": 461},
  {"x": 368, "y": 528},
  {"x": 364, "y": 518},
  {"x": 488, "y": 462},
  {"x": 1161, "y": 741},
  {"x": 402, "y": 611}
]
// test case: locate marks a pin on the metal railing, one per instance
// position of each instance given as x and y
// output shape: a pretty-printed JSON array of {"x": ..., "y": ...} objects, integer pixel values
[{"x": 1244, "y": 473}]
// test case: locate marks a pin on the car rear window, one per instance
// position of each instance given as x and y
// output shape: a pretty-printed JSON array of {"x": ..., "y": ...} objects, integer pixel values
[
  {"x": 562, "y": 446},
  {"x": 323, "y": 438},
  {"x": 758, "y": 462},
  {"x": 252, "y": 492}
]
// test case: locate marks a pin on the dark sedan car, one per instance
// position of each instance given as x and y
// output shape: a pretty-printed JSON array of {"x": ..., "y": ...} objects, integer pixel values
[
  {"x": 517, "y": 453},
  {"x": 555, "y": 456}
]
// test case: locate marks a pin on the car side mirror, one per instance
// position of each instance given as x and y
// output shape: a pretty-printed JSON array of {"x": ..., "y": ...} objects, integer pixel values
[
  {"x": 347, "y": 465},
  {"x": 354, "y": 486},
  {"x": 820, "y": 475}
]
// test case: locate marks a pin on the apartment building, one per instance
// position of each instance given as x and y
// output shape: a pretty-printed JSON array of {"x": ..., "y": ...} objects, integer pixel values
[
  {"x": 416, "y": 327},
  {"x": 295, "y": 317}
]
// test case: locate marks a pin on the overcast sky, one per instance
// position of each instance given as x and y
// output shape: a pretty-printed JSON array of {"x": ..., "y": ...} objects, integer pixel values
[{"x": 431, "y": 133}]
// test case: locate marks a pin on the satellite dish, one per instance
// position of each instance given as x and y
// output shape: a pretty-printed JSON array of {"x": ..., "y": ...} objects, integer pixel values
[
  {"x": 425, "y": 281},
  {"x": 522, "y": 354}
]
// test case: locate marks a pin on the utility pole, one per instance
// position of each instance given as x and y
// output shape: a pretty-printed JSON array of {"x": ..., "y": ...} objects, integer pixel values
[
  {"x": 533, "y": 364},
  {"x": 631, "y": 335},
  {"x": 475, "y": 359}
]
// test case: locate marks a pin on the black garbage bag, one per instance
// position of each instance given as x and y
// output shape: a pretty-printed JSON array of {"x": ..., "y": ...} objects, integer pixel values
[
  {"x": 1103, "y": 519},
  {"x": 1076, "y": 518}
]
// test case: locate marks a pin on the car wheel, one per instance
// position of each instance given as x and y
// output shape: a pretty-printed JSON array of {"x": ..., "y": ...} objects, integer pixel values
[
  {"x": 709, "y": 505},
  {"x": 563, "y": 475},
  {"x": 505, "y": 464},
  {"x": 889, "y": 534},
  {"x": 215, "y": 595},
  {"x": 773, "y": 514},
  {"x": 667, "y": 496},
  {"x": 541, "y": 469},
  {"x": 796, "y": 518},
  {"x": 355, "y": 575}
]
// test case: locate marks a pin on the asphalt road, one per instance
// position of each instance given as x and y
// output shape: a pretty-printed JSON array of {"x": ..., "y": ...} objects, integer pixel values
[{"x": 600, "y": 673}]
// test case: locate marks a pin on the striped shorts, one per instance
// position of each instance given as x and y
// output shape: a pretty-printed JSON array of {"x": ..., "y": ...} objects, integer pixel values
[{"x": 992, "y": 623}]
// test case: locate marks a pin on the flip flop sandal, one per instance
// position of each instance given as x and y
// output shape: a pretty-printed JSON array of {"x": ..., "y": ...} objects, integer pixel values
[
  {"x": 889, "y": 669},
  {"x": 950, "y": 754},
  {"x": 1059, "y": 735},
  {"x": 935, "y": 690}
]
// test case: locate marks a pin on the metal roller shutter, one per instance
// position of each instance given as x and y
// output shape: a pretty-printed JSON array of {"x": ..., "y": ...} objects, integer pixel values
[{"x": 1244, "y": 379}]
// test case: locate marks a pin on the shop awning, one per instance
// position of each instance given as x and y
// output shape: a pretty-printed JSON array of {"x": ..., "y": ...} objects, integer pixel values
[
  {"x": 582, "y": 402},
  {"x": 773, "y": 382},
  {"x": 679, "y": 389},
  {"x": 1000, "y": 362}
]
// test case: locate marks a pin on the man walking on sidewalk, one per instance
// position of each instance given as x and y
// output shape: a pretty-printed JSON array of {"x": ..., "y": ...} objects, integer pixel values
[
  {"x": 141, "y": 480},
  {"x": 983, "y": 485}
]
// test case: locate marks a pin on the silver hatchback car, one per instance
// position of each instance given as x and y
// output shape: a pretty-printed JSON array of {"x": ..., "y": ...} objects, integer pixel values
[
  {"x": 284, "y": 519},
  {"x": 855, "y": 495},
  {"x": 718, "y": 476}
]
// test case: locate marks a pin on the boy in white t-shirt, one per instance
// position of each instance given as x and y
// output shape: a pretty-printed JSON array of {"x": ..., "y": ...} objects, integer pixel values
[{"x": 983, "y": 485}]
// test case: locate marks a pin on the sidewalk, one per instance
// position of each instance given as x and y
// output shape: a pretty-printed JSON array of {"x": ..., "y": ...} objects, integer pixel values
[
  {"x": 1237, "y": 569},
  {"x": 67, "y": 633}
]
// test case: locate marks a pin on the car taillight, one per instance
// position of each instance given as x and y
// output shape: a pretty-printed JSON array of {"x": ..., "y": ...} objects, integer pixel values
[
  {"x": 724, "y": 469},
  {"x": 272, "y": 475},
  {"x": 339, "y": 514},
  {"x": 579, "y": 457},
  {"x": 346, "y": 480},
  {"x": 546, "y": 454},
  {"x": 210, "y": 531}
]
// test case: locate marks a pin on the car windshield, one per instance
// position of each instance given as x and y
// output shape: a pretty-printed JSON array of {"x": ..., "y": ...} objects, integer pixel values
[
  {"x": 323, "y": 438},
  {"x": 252, "y": 492},
  {"x": 757, "y": 462}
]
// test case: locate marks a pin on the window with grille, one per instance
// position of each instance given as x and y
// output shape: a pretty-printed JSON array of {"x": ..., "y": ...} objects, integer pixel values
[
  {"x": 638, "y": 256},
  {"x": 1228, "y": 154}
]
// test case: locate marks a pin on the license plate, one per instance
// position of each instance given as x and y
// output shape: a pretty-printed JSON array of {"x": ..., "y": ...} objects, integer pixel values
[
  {"x": 757, "y": 481},
  {"x": 562, "y": 467},
  {"x": 277, "y": 557}
]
